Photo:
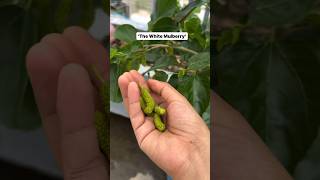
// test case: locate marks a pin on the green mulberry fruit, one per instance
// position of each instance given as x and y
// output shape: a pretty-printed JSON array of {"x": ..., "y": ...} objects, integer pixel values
[
  {"x": 158, "y": 122},
  {"x": 159, "y": 110},
  {"x": 148, "y": 99},
  {"x": 151, "y": 109},
  {"x": 101, "y": 121},
  {"x": 101, "y": 127}
]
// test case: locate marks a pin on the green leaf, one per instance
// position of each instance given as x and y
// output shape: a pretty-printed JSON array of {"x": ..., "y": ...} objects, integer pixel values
[
  {"x": 193, "y": 25},
  {"x": 259, "y": 80},
  {"x": 278, "y": 12},
  {"x": 181, "y": 73},
  {"x": 153, "y": 55},
  {"x": 206, "y": 115},
  {"x": 133, "y": 64},
  {"x": 174, "y": 81},
  {"x": 160, "y": 76},
  {"x": 228, "y": 37},
  {"x": 164, "y": 8},
  {"x": 115, "y": 72},
  {"x": 307, "y": 168},
  {"x": 199, "y": 61},
  {"x": 163, "y": 62},
  {"x": 165, "y": 24},
  {"x": 186, "y": 11},
  {"x": 196, "y": 90},
  {"x": 302, "y": 49},
  {"x": 126, "y": 33},
  {"x": 194, "y": 29}
]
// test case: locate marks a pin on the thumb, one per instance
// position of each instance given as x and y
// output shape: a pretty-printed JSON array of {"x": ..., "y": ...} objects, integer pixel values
[{"x": 81, "y": 156}]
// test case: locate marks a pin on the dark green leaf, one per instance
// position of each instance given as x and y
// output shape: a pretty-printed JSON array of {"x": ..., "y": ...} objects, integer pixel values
[
  {"x": 126, "y": 33},
  {"x": 259, "y": 81},
  {"x": 133, "y": 64},
  {"x": 160, "y": 76},
  {"x": 307, "y": 168},
  {"x": 195, "y": 89},
  {"x": 153, "y": 55},
  {"x": 199, "y": 61},
  {"x": 228, "y": 37},
  {"x": 186, "y": 11},
  {"x": 163, "y": 62},
  {"x": 164, "y": 8},
  {"x": 165, "y": 24},
  {"x": 278, "y": 12},
  {"x": 115, "y": 72},
  {"x": 206, "y": 115},
  {"x": 174, "y": 81}
]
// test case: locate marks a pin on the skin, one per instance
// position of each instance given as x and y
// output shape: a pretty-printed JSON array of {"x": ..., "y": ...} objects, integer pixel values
[
  {"x": 65, "y": 96},
  {"x": 183, "y": 150},
  {"x": 239, "y": 153}
]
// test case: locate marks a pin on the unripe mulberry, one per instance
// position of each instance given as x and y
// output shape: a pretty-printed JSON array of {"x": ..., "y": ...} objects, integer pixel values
[
  {"x": 148, "y": 99},
  {"x": 102, "y": 131},
  {"x": 158, "y": 122}
]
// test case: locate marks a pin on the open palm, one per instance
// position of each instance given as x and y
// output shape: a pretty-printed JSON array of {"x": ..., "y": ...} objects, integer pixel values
[{"x": 186, "y": 139}]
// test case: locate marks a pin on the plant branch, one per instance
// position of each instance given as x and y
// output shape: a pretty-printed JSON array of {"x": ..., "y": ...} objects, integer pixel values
[
  {"x": 155, "y": 46},
  {"x": 186, "y": 50}
]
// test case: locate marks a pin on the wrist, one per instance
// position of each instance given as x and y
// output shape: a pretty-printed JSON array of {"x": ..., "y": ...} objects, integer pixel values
[
  {"x": 197, "y": 165},
  {"x": 196, "y": 168}
]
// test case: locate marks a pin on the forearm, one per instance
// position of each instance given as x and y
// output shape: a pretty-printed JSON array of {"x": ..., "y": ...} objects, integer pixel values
[{"x": 238, "y": 152}]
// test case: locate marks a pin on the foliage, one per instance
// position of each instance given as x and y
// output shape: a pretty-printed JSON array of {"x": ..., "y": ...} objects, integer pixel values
[
  {"x": 23, "y": 23},
  {"x": 267, "y": 66},
  {"x": 184, "y": 64}
]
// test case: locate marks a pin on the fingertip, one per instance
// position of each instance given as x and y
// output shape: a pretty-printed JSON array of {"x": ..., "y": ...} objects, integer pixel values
[
  {"x": 51, "y": 37},
  {"x": 153, "y": 84},
  {"x": 74, "y": 30},
  {"x": 43, "y": 61},
  {"x": 138, "y": 78},
  {"x": 122, "y": 80},
  {"x": 134, "y": 72},
  {"x": 152, "y": 81},
  {"x": 31, "y": 56}
]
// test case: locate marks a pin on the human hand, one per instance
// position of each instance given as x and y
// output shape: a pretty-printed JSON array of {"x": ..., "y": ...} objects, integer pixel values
[
  {"x": 183, "y": 150},
  {"x": 65, "y": 98}
]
